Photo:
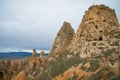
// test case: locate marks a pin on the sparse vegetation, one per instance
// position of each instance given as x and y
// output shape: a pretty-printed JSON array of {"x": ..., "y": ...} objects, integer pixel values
[
  {"x": 97, "y": 76},
  {"x": 115, "y": 44},
  {"x": 59, "y": 66},
  {"x": 44, "y": 76},
  {"x": 110, "y": 75},
  {"x": 69, "y": 79},
  {"x": 75, "y": 77},
  {"x": 108, "y": 52},
  {"x": 94, "y": 65},
  {"x": 74, "y": 61},
  {"x": 116, "y": 77}
]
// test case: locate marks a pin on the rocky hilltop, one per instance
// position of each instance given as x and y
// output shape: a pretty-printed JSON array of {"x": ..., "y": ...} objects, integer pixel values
[
  {"x": 92, "y": 53},
  {"x": 23, "y": 69},
  {"x": 93, "y": 34},
  {"x": 63, "y": 39}
]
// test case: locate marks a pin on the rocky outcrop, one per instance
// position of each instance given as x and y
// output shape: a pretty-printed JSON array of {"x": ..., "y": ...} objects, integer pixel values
[
  {"x": 74, "y": 73},
  {"x": 93, "y": 34},
  {"x": 42, "y": 56},
  {"x": 34, "y": 55},
  {"x": 92, "y": 53},
  {"x": 20, "y": 76},
  {"x": 23, "y": 69},
  {"x": 63, "y": 39}
]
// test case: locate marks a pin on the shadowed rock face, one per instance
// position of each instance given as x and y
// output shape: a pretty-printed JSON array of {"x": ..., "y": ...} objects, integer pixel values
[
  {"x": 63, "y": 38},
  {"x": 1, "y": 76}
]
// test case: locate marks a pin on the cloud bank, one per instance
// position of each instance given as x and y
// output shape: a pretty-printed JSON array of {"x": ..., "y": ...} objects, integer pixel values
[{"x": 33, "y": 24}]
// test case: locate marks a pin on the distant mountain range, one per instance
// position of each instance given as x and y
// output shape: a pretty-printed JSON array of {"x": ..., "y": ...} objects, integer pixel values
[{"x": 15, "y": 55}]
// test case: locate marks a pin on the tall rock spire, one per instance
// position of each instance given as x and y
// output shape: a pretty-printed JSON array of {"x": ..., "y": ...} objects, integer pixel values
[
  {"x": 34, "y": 55},
  {"x": 63, "y": 38}
]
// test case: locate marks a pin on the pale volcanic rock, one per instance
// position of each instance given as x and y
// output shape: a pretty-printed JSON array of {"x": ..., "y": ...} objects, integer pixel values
[
  {"x": 93, "y": 35},
  {"x": 93, "y": 52},
  {"x": 97, "y": 38},
  {"x": 42, "y": 56},
  {"x": 20, "y": 76},
  {"x": 16, "y": 70},
  {"x": 72, "y": 72},
  {"x": 63, "y": 39},
  {"x": 34, "y": 55}
]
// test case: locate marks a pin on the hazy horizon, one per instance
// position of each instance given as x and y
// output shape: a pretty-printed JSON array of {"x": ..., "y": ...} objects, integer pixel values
[{"x": 33, "y": 24}]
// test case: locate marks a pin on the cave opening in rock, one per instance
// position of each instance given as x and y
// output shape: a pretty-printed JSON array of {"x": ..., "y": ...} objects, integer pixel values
[
  {"x": 1, "y": 76},
  {"x": 100, "y": 38},
  {"x": 96, "y": 27}
]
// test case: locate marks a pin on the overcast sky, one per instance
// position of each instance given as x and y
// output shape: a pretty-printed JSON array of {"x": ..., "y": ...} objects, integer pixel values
[{"x": 33, "y": 24}]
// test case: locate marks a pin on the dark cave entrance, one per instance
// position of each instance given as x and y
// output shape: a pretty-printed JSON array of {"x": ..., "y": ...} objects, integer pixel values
[
  {"x": 1, "y": 76},
  {"x": 100, "y": 38},
  {"x": 96, "y": 27}
]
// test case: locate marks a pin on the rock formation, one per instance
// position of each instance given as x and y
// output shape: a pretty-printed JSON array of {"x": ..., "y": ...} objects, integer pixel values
[
  {"x": 23, "y": 69},
  {"x": 42, "y": 56},
  {"x": 93, "y": 34},
  {"x": 34, "y": 55},
  {"x": 62, "y": 41},
  {"x": 92, "y": 53},
  {"x": 20, "y": 76}
]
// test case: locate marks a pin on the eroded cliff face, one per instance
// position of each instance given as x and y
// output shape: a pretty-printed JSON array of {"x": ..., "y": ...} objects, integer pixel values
[
  {"x": 23, "y": 69},
  {"x": 63, "y": 39},
  {"x": 97, "y": 42},
  {"x": 92, "y": 54},
  {"x": 93, "y": 34}
]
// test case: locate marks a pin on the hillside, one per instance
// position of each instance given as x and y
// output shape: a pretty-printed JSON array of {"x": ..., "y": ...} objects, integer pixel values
[{"x": 92, "y": 53}]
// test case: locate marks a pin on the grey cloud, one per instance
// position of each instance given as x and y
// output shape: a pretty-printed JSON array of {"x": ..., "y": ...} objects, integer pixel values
[{"x": 34, "y": 23}]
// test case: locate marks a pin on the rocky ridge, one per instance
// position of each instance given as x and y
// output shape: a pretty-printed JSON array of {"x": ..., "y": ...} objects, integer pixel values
[
  {"x": 92, "y": 53},
  {"x": 93, "y": 34},
  {"x": 63, "y": 39},
  {"x": 23, "y": 69}
]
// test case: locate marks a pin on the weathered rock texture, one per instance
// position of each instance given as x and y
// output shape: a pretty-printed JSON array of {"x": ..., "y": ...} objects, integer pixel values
[
  {"x": 20, "y": 76},
  {"x": 92, "y": 53},
  {"x": 63, "y": 39},
  {"x": 98, "y": 35},
  {"x": 42, "y": 56},
  {"x": 23, "y": 69},
  {"x": 93, "y": 34}
]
